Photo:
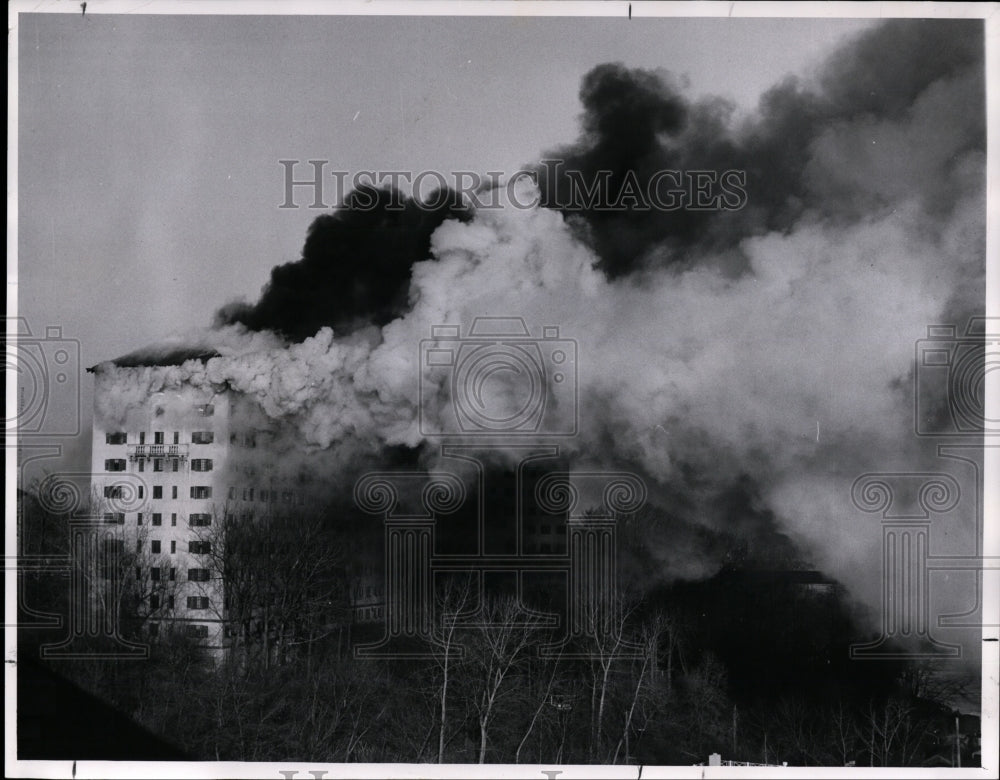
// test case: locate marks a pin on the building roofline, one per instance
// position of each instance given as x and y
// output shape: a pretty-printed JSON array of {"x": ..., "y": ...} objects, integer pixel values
[{"x": 158, "y": 356}]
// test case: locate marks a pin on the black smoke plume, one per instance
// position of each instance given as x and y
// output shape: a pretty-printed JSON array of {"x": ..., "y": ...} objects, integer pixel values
[
  {"x": 355, "y": 266},
  {"x": 637, "y": 122}
]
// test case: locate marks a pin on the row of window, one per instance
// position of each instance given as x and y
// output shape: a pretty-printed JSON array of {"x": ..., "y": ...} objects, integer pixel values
[
  {"x": 247, "y": 440},
  {"x": 205, "y": 491},
  {"x": 195, "y": 519},
  {"x": 156, "y": 518},
  {"x": 197, "y": 437},
  {"x": 197, "y": 464},
  {"x": 175, "y": 464},
  {"x": 370, "y": 613},
  {"x": 156, "y": 573},
  {"x": 118, "y": 491},
  {"x": 268, "y": 496},
  {"x": 193, "y": 602},
  {"x": 156, "y": 547}
]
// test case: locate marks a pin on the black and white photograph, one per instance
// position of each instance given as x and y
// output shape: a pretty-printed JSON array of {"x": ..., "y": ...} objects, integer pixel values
[{"x": 502, "y": 389}]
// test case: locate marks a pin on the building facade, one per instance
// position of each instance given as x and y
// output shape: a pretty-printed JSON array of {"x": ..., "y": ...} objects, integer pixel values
[
  {"x": 167, "y": 461},
  {"x": 170, "y": 474}
]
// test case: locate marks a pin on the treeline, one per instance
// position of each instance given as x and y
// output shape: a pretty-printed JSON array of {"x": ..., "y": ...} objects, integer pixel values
[{"x": 755, "y": 670}]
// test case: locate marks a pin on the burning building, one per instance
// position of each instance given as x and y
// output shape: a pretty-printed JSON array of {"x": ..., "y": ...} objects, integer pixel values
[{"x": 176, "y": 471}]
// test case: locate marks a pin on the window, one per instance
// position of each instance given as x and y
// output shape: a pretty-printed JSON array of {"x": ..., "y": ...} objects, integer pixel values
[
  {"x": 175, "y": 464},
  {"x": 201, "y": 491},
  {"x": 159, "y": 413},
  {"x": 200, "y": 548},
  {"x": 263, "y": 495},
  {"x": 177, "y": 437},
  {"x": 157, "y": 464},
  {"x": 201, "y": 464},
  {"x": 138, "y": 519},
  {"x": 114, "y": 491},
  {"x": 114, "y": 517},
  {"x": 138, "y": 546},
  {"x": 173, "y": 576},
  {"x": 142, "y": 437},
  {"x": 197, "y": 632},
  {"x": 154, "y": 546},
  {"x": 248, "y": 494},
  {"x": 198, "y": 575},
  {"x": 232, "y": 494},
  {"x": 197, "y": 602},
  {"x": 157, "y": 518},
  {"x": 158, "y": 437},
  {"x": 173, "y": 518},
  {"x": 202, "y": 437},
  {"x": 157, "y": 491},
  {"x": 114, "y": 464},
  {"x": 154, "y": 574},
  {"x": 200, "y": 519},
  {"x": 173, "y": 547},
  {"x": 173, "y": 490},
  {"x": 154, "y": 601},
  {"x": 205, "y": 410},
  {"x": 114, "y": 438},
  {"x": 170, "y": 599},
  {"x": 154, "y": 629},
  {"x": 142, "y": 464}
]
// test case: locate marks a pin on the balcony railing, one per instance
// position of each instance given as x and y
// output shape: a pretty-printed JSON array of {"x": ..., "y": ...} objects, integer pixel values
[{"x": 137, "y": 451}]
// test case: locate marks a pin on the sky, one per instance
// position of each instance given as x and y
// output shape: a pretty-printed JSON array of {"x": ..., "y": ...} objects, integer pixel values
[{"x": 149, "y": 145}]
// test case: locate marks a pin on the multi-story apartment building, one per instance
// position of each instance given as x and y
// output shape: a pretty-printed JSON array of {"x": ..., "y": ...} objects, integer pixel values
[
  {"x": 170, "y": 472},
  {"x": 169, "y": 457}
]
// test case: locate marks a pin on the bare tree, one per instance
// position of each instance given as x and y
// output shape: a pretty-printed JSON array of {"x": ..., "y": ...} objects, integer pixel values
[
  {"x": 282, "y": 578},
  {"x": 451, "y": 602},
  {"x": 498, "y": 649},
  {"x": 650, "y": 635}
]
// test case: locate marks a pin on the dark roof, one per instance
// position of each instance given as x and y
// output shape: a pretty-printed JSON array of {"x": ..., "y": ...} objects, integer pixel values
[{"x": 159, "y": 356}]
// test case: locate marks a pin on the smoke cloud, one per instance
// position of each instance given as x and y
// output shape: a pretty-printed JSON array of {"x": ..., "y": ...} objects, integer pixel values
[
  {"x": 808, "y": 150},
  {"x": 749, "y": 364}
]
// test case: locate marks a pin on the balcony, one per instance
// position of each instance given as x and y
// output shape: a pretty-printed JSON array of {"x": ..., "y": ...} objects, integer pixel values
[{"x": 138, "y": 451}]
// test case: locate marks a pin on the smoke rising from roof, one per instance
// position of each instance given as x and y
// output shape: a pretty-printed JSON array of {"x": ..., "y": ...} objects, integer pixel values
[{"x": 355, "y": 266}]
